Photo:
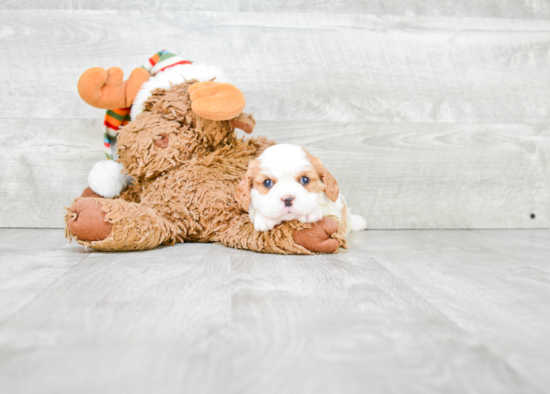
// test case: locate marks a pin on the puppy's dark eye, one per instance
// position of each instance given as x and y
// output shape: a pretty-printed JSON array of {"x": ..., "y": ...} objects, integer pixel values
[
  {"x": 304, "y": 180},
  {"x": 268, "y": 183}
]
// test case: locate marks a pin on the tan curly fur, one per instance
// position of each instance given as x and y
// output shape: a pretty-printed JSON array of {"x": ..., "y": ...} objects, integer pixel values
[{"x": 186, "y": 190}]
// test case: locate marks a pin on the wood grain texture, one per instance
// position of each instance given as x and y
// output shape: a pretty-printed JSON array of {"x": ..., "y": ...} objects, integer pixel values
[
  {"x": 293, "y": 66},
  {"x": 30, "y": 262},
  {"x": 488, "y": 270},
  {"x": 127, "y": 322},
  {"x": 395, "y": 175},
  {"x": 431, "y": 114},
  {"x": 400, "y": 311},
  {"x": 345, "y": 324},
  {"x": 44, "y": 167},
  {"x": 512, "y": 9}
]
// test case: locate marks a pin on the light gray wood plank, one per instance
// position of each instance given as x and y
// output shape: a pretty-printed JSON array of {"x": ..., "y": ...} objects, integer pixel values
[
  {"x": 45, "y": 165},
  {"x": 493, "y": 285},
  {"x": 146, "y": 322},
  {"x": 401, "y": 311},
  {"x": 293, "y": 66},
  {"x": 30, "y": 262},
  {"x": 343, "y": 323},
  {"x": 532, "y": 249},
  {"x": 396, "y": 175},
  {"x": 479, "y": 8}
]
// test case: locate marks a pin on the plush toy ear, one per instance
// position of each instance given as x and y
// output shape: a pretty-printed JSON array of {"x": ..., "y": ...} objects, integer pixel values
[
  {"x": 242, "y": 192},
  {"x": 331, "y": 186},
  {"x": 106, "y": 89}
]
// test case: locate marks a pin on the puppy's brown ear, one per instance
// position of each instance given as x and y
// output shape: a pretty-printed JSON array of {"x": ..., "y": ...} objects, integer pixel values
[
  {"x": 242, "y": 192},
  {"x": 331, "y": 186}
]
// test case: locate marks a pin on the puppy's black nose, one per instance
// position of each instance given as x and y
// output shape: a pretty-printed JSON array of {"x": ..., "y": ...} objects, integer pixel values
[{"x": 287, "y": 200}]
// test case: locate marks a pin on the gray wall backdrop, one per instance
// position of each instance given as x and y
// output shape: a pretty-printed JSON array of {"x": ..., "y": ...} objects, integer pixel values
[{"x": 430, "y": 113}]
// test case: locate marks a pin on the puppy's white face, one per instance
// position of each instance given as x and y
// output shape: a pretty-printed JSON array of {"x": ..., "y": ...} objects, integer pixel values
[{"x": 285, "y": 183}]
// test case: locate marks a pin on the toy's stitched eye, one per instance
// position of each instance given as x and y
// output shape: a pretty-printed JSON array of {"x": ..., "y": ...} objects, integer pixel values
[
  {"x": 304, "y": 180},
  {"x": 268, "y": 183}
]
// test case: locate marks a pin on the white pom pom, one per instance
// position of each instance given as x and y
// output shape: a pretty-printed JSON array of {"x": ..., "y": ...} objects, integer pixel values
[{"x": 107, "y": 180}]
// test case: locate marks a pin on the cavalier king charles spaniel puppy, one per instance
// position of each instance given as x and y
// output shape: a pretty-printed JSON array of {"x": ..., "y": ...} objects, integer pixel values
[{"x": 284, "y": 183}]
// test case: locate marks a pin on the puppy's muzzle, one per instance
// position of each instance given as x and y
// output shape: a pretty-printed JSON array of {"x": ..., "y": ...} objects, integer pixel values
[{"x": 287, "y": 200}]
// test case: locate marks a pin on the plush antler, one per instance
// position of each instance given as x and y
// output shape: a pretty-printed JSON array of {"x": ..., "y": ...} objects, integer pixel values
[
  {"x": 106, "y": 89},
  {"x": 215, "y": 100}
]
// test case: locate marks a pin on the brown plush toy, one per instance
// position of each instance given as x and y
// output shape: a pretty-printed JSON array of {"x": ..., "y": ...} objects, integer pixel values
[{"x": 185, "y": 159}]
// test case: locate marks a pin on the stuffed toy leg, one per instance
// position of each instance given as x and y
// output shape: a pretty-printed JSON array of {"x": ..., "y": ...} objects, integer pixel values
[{"x": 118, "y": 225}]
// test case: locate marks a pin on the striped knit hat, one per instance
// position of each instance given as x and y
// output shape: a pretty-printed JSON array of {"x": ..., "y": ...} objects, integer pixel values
[{"x": 116, "y": 118}]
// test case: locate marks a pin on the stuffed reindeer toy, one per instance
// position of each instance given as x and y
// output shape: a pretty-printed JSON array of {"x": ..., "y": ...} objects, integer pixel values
[{"x": 179, "y": 163}]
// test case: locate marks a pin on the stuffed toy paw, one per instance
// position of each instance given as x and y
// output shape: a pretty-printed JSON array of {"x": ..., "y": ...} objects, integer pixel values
[{"x": 321, "y": 237}]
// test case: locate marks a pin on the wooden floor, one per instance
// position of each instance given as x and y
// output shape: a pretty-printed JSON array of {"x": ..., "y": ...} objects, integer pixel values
[{"x": 400, "y": 312}]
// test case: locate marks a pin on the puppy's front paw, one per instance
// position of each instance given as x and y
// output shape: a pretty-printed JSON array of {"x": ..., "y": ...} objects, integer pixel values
[
  {"x": 261, "y": 225},
  {"x": 314, "y": 216}
]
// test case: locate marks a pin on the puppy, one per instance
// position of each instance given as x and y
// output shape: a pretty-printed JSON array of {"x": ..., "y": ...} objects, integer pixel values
[{"x": 284, "y": 183}]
